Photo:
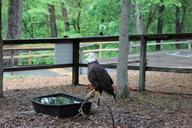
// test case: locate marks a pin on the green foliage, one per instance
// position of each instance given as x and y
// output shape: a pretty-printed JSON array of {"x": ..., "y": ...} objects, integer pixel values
[
  {"x": 43, "y": 60},
  {"x": 37, "y": 60},
  {"x": 96, "y": 16}
]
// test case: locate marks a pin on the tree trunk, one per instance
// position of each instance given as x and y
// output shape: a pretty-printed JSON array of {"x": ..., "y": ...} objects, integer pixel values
[
  {"x": 139, "y": 23},
  {"x": 177, "y": 24},
  {"x": 14, "y": 19},
  {"x": 150, "y": 18},
  {"x": 14, "y": 24},
  {"x": 78, "y": 17},
  {"x": 52, "y": 17},
  {"x": 183, "y": 16},
  {"x": 28, "y": 28},
  {"x": 65, "y": 17},
  {"x": 122, "y": 75},
  {"x": 179, "y": 20},
  {"x": 1, "y": 53},
  {"x": 78, "y": 21},
  {"x": 160, "y": 24}
]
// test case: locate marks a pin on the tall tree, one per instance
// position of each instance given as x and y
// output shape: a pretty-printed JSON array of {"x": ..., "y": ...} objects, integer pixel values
[
  {"x": 1, "y": 53},
  {"x": 180, "y": 14},
  {"x": 75, "y": 22},
  {"x": 139, "y": 22},
  {"x": 52, "y": 17},
  {"x": 27, "y": 22},
  {"x": 78, "y": 16},
  {"x": 14, "y": 19},
  {"x": 65, "y": 16},
  {"x": 151, "y": 16},
  {"x": 122, "y": 76},
  {"x": 160, "y": 22}
]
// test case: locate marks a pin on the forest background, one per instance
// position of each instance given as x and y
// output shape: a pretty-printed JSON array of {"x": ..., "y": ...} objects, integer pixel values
[
  {"x": 24, "y": 19},
  {"x": 58, "y": 18}
]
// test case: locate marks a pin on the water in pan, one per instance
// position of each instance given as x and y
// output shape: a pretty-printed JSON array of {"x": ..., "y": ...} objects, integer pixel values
[{"x": 56, "y": 100}]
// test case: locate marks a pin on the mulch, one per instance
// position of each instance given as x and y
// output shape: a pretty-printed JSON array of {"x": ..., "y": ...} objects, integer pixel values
[{"x": 147, "y": 109}]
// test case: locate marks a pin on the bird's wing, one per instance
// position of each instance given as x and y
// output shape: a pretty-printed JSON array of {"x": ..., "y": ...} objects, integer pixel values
[{"x": 99, "y": 77}]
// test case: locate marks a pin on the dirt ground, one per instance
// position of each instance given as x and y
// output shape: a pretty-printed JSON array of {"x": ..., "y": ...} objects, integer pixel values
[{"x": 145, "y": 110}]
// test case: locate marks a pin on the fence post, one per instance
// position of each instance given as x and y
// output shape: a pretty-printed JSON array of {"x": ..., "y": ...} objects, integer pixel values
[
  {"x": 12, "y": 58},
  {"x": 81, "y": 60},
  {"x": 143, "y": 62},
  {"x": 30, "y": 57},
  {"x": 1, "y": 66},
  {"x": 12, "y": 63},
  {"x": 75, "y": 72},
  {"x": 100, "y": 50},
  {"x": 189, "y": 44},
  {"x": 1, "y": 54}
]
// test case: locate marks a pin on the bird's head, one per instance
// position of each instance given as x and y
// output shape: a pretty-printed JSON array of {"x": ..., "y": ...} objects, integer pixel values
[{"x": 91, "y": 57}]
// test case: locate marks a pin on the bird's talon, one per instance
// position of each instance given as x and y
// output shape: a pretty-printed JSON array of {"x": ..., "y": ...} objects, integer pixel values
[{"x": 97, "y": 94}]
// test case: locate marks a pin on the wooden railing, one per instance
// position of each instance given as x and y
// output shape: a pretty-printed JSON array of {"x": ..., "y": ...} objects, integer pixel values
[
  {"x": 100, "y": 50},
  {"x": 29, "y": 56},
  {"x": 76, "y": 47}
]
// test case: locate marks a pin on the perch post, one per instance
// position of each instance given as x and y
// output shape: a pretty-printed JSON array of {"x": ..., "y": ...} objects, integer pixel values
[{"x": 143, "y": 61}]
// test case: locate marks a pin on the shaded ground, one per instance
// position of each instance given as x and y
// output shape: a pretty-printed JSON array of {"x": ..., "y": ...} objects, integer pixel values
[{"x": 147, "y": 109}]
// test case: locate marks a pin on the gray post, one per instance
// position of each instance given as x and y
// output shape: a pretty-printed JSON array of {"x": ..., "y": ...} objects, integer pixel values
[
  {"x": 1, "y": 67},
  {"x": 1, "y": 54},
  {"x": 81, "y": 60},
  {"x": 189, "y": 44},
  {"x": 75, "y": 72},
  {"x": 143, "y": 62},
  {"x": 12, "y": 61}
]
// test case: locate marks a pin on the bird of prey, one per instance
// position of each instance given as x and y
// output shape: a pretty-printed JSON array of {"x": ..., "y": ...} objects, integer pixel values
[{"x": 99, "y": 78}]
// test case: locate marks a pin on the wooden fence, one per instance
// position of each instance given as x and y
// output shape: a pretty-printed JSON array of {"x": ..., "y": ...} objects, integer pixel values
[
  {"x": 76, "y": 47},
  {"x": 29, "y": 56},
  {"x": 100, "y": 50}
]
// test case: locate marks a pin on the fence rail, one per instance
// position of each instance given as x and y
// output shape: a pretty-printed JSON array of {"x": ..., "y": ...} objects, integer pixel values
[
  {"x": 76, "y": 47},
  {"x": 100, "y": 50},
  {"x": 13, "y": 53}
]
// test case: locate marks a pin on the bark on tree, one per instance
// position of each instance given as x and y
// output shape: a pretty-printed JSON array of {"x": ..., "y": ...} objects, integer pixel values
[
  {"x": 151, "y": 15},
  {"x": 14, "y": 25},
  {"x": 139, "y": 22},
  {"x": 1, "y": 53},
  {"x": 78, "y": 21},
  {"x": 177, "y": 24},
  {"x": 14, "y": 19},
  {"x": 180, "y": 17},
  {"x": 28, "y": 28},
  {"x": 78, "y": 17},
  {"x": 52, "y": 17},
  {"x": 160, "y": 23},
  {"x": 65, "y": 17},
  {"x": 122, "y": 75}
]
